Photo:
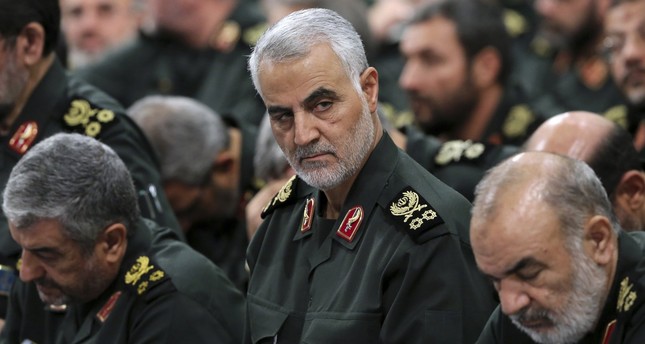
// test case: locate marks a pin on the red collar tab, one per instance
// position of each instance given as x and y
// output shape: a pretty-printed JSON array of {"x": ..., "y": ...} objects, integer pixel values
[
  {"x": 351, "y": 222},
  {"x": 308, "y": 216},
  {"x": 24, "y": 137}
]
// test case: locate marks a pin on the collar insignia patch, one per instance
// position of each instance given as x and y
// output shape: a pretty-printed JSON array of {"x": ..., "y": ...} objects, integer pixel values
[
  {"x": 107, "y": 308},
  {"x": 453, "y": 151},
  {"x": 308, "y": 215},
  {"x": 608, "y": 331},
  {"x": 349, "y": 227},
  {"x": 23, "y": 138}
]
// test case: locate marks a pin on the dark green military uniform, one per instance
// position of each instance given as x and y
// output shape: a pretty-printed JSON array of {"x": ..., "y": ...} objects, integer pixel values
[
  {"x": 165, "y": 292},
  {"x": 162, "y": 65},
  {"x": 62, "y": 104},
  {"x": 395, "y": 267},
  {"x": 224, "y": 241},
  {"x": 554, "y": 84},
  {"x": 623, "y": 317},
  {"x": 458, "y": 163}
]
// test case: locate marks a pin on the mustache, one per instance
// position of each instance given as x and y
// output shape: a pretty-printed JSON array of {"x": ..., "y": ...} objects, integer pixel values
[
  {"x": 317, "y": 148},
  {"x": 630, "y": 70},
  {"x": 532, "y": 316}
]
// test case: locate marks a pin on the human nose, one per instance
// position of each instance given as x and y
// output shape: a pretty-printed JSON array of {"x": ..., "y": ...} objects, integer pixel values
[
  {"x": 409, "y": 77},
  {"x": 545, "y": 8},
  {"x": 634, "y": 49},
  {"x": 305, "y": 129},
  {"x": 512, "y": 296},
  {"x": 30, "y": 268}
]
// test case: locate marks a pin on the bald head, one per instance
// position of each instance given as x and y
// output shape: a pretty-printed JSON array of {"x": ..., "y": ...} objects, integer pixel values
[{"x": 574, "y": 134}]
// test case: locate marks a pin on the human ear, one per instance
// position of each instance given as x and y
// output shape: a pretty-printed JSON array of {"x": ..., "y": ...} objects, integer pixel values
[
  {"x": 114, "y": 243},
  {"x": 369, "y": 85},
  {"x": 599, "y": 239},
  {"x": 486, "y": 67},
  {"x": 30, "y": 43}
]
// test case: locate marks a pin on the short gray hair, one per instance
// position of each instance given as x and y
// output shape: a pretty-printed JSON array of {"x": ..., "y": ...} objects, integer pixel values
[
  {"x": 185, "y": 134},
  {"x": 569, "y": 186},
  {"x": 269, "y": 161},
  {"x": 75, "y": 180},
  {"x": 295, "y": 35}
]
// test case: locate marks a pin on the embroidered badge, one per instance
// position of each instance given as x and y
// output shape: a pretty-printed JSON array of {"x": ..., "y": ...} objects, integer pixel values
[
  {"x": 140, "y": 268},
  {"x": 413, "y": 211},
  {"x": 626, "y": 296},
  {"x": 308, "y": 215},
  {"x": 107, "y": 308},
  {"x": 351, "y": 222},
  {"x": 453, "y": 151},
  {"x": 86, "y": 119},
  {"x": 24, "y": 137},
  {"x": 281, "y": 197},
  {"x": 227, "y": 36},
  {"x": 518, "y": 121},
  {"x": 140, "y": 275},
  {"x": 608, "y": 331}
]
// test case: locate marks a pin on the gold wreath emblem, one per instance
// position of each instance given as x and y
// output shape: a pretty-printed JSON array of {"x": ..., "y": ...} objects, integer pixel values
[
  {"x": 626, "y": 296},
  {"x": 79, "y": 113},
  {"x": 140, "y": 268},
  {"x": 157, "y": 275},
  {"x": 407, "y": 205}
]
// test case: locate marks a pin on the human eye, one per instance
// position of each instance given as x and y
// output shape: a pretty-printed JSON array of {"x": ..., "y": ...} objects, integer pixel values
[
  {"x": 529, "y": 274},
  {"x": 612, "y": 45},
  {"x": 323, "y": 106}
]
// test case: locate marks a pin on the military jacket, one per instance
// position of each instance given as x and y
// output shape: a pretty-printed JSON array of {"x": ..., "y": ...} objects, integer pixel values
[
  {"x": 395, "y": 267},
  {"x": 163, "y": 65},
  {"x": 553, "y": 84},
  {"x": 623, "y": 316},
  {"x": 459, "y": 163},
  {"x": 165, "y": 292},
  {"x": 64, "y": 104}
]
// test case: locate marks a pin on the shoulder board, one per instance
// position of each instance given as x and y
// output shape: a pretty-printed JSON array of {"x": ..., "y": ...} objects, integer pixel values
[
  {"x": 286, "y": 195},
  {"x": 458, "y": 150},
  {"x": 251, "y": 35},
  {"x": 143, "y": 274},
  {"x": 84, "y": 118},
  {"x": 411, "y": 211},
  {"x": 518, "y": 121}
]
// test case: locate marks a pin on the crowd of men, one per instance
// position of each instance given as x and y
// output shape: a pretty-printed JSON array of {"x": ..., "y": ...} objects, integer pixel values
[{"x": 322, "y": 171}]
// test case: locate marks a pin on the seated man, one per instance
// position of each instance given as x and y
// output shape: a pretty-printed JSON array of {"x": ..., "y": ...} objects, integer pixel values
[
  {"x": 206, "y": 171},
  {"x": 72, "y": 208},
  {"x": 608, "y": 149},
  {"x": 543, "y": 231}
]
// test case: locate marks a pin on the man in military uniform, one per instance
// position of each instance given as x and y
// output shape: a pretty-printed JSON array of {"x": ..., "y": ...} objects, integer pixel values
[
  {"x": 625, "y": 46},
  {"x": 561, "y": 68},
  {"x": 73, "y": 209},
  {"x": 456, "y": 74},
  {"x": 197, "y": 49},
  {"x": 608, "y": 149},
  {"x": 543, "y": 231},
  {"x": 38, "y": 100},
  {"x": 207, "y": 174},
  {"x": 364, "y": 245}
]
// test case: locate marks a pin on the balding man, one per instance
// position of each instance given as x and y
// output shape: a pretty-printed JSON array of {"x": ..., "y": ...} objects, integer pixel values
[
  {"x": 608, "y": 149},
  {"x": 543, "y": 231}
]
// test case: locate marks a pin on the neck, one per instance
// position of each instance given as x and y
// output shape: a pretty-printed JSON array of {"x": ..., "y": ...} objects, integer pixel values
[
  {"x": 36, "y": 74},
  {"x": 489, "y": 100}
]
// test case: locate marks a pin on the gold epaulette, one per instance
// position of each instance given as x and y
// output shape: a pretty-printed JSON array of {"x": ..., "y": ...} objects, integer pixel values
[
  {"x": 285, "y": 196},
  {"x": 84, "y": 118}
]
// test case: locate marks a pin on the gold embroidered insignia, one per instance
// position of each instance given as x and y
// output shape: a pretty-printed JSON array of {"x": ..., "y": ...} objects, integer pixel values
[
  {"x": 284, "y": 195},
  {"x": 515, "y": 23},
  {"x": 411, "y": 210},
  {"x": 618, "y": 115},
  {"x": 518, "y": 121},
  {"x": 82, "y": 114},
  {"x": 140, "y": 268},
  {"x": 253, "y": 34},
  {"x": 626, "y": 296},
  {"x": 157, "y": 275},
  {"x": 142, "y": 287},
  {"x": 19, "y": 264},
  {"x": 456, "y": 149},
  {"x": 226, "y": 37}
]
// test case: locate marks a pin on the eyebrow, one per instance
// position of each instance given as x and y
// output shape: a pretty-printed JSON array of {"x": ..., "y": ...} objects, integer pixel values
[
  {"x": 318, "y": 93},
  {"x": 523, "y": 263},
  {"x": 44, "y": 250}
]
